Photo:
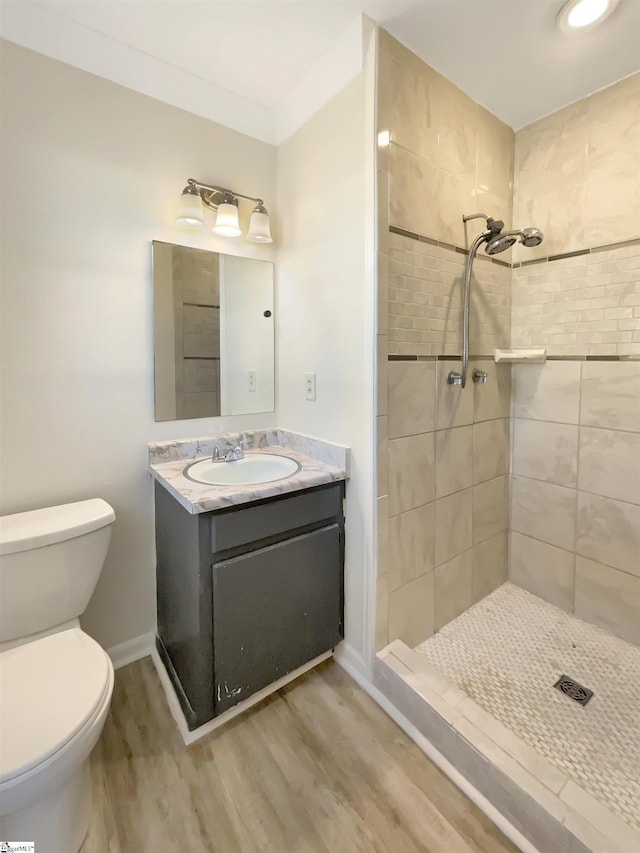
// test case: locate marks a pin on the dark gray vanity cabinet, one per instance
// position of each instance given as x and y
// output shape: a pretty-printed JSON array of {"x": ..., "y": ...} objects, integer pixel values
[{"x": 248, "y": 594}]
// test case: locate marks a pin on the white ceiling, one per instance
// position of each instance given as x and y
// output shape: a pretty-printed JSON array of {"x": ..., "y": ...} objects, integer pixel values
[{"x": 239, "y": 61}]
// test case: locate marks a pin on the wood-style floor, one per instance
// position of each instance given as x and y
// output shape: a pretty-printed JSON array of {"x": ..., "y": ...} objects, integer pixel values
[{"x": 316, "y": 768}]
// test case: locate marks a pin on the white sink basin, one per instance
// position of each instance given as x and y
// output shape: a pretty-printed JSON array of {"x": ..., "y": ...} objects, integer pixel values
[{"x": 254, "y": 468}]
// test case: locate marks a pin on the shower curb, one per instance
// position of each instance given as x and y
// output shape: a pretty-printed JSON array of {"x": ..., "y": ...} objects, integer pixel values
[{"x": 539, "y": 800}]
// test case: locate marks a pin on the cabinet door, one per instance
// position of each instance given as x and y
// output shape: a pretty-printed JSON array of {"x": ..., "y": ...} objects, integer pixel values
[{"x": 273, "y": 610}]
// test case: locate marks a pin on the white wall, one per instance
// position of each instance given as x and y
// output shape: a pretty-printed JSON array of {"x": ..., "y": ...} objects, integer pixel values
[
  {"x": 91, "y": 174},
  {"x": 325, "y": 308}
]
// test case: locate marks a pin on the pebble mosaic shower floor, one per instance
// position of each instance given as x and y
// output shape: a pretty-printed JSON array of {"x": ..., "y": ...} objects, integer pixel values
[{"x": 508, "y": 651}]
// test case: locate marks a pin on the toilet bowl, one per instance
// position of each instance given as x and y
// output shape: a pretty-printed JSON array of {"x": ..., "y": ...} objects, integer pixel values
[{"x": 56, "y": 681}]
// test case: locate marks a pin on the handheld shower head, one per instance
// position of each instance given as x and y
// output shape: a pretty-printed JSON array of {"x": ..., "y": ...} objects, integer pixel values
[
  {"x": 499, "y": 243},
  {"x": 531, "y": 237}
]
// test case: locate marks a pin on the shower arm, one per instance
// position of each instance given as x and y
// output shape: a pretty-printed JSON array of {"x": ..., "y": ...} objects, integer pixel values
[{"x": 453, "y": 377}]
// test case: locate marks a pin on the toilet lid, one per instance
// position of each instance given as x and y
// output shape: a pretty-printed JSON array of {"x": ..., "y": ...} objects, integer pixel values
[{"x": 49, "y": 689}]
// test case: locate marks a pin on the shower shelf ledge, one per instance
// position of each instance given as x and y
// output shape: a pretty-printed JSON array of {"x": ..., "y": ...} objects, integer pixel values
[{"x": 521, "y": 356}]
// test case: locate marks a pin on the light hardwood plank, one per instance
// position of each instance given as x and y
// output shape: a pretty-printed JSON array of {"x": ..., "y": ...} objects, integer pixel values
[{"x": 316, "y": 768}]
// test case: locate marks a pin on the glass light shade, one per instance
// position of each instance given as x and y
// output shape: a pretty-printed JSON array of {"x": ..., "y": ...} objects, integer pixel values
[
  {"x": 190, "y": 211},
  {"x": 227, "y": 220},
  {"x": 259, "y": 228}
]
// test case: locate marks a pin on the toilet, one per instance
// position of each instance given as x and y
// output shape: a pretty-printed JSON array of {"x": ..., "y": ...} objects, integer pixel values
[{"x": 55, "y": 681}]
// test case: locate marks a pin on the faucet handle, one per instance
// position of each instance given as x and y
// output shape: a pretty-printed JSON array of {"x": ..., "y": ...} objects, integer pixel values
[
  {"x": 480, "y": 376},
  {"x": 216, "y": 454}
]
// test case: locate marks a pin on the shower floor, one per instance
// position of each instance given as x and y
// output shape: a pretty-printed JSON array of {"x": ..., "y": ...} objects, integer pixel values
[{"x": 508, "y": 650}]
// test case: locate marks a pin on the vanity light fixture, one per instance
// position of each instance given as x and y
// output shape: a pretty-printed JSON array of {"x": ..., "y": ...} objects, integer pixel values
[
  {"x": 225, "y": 203},
  {"x": 580, "y": 16}
]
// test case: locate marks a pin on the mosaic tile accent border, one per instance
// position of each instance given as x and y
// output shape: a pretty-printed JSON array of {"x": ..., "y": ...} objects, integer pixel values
[
  {"x": 457, "y": 357},
  {"x": 421, "y": 238}
]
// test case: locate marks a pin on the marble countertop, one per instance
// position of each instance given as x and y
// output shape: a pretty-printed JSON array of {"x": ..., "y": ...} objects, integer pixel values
[{"x": 203, "y": 497}]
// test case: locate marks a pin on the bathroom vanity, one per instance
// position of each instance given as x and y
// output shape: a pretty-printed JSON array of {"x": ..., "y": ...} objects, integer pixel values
[{"x": 249, "y": 580}]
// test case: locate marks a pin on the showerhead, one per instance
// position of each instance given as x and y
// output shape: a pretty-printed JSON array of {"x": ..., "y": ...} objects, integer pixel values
[
  {"x": 531, "y": 237},
  {"x": 499, "y": 243}
]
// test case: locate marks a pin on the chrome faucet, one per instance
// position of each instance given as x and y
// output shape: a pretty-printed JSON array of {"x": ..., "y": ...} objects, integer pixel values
[{"x": 231, "y": 456}]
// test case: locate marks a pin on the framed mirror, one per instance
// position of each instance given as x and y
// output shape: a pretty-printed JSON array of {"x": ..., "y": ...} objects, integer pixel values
[{"x": 213, "y": 333}]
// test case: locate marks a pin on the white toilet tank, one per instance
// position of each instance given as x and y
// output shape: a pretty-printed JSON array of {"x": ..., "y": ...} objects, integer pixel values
[{"x": 50, "y": 561}]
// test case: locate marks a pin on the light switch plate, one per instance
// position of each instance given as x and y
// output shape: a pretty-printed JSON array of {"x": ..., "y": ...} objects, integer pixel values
[{"x": 252, "y": 380}]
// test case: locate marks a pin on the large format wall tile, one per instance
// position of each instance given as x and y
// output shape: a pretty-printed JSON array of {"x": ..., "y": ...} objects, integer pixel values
[
  {"x": 551, "y": 154},
  {"x": 546, "y": 451},
  {"x": 548, "y": 392},
  {"x": 490, "y": 508},
  {"x": 411, "y": 544},
  {"x": 490, "y": 567},
  {"x": 544, "y": 511},
  {"x": 611, "y": 394},
  {"x": 609, "y": 598},
  {"x": 614, "y": 125},
  {"x": 449, "y": 197},
  {"x": 612, "y": 206},
  {"x": 610, "y": 463},
  {"x": 452, "y": 589},
  {"x": 454, "y": 405},
  {"x": 425, "y": 112},
  {"x": 454, "y": 460},
  {"x": 411, "y": 611},
  {"x": 543, "y": 569},
  {"x": 492, "y": 399},
  {"x": 557, "y": 214},
  {"x": 496, "y": 151},
  {"x": 608, "y": 531},
  {"x": 411, "y": 397},
  {"x": 411, "y": 472},
  {"x": 453, "y": 526},
  {"x": 490, "y": 449}
]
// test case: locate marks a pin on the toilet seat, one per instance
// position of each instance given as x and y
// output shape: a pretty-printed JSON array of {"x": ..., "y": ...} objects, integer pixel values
[{"x": 50, "y": 690}]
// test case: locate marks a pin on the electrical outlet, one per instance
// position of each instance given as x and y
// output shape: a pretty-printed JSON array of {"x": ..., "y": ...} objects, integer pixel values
[
  {"x": 310, "y": 386},
  {"x": 252, "y": 380}
]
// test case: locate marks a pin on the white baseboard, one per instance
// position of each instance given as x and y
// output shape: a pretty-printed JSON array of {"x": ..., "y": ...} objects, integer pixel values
[
  {"x": 352, "y": 661},
  {"x": 192, "y": 736},
  {"x": 131, "y": 650},
  {"x": 438, "y": 759}
]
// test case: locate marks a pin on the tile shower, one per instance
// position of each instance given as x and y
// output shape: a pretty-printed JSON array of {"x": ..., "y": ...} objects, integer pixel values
[{"x": 514, "y": 504}]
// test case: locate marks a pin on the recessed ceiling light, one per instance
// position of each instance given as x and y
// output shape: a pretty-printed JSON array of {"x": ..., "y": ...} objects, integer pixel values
[{"x": 580, "y": 16}]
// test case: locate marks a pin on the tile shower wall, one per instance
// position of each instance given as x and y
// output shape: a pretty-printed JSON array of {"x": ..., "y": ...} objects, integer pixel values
[
  {"x": 425, "y": 300},
  {"x": 447, "y": 154},
  {"x": 575, "y": 500},
  {"x": 584, "y": 305},
  {"x": 577, "y": 177},
  {"x": 444, "y": 519},
  {"x": 442, "y": 452}
]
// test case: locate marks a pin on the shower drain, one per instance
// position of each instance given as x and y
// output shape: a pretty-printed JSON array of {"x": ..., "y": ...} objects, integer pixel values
[{"x": 573, "y": 690}]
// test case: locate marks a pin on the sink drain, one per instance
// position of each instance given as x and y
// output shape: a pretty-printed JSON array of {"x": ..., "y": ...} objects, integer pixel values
[{"x": 573, "y": 690}]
